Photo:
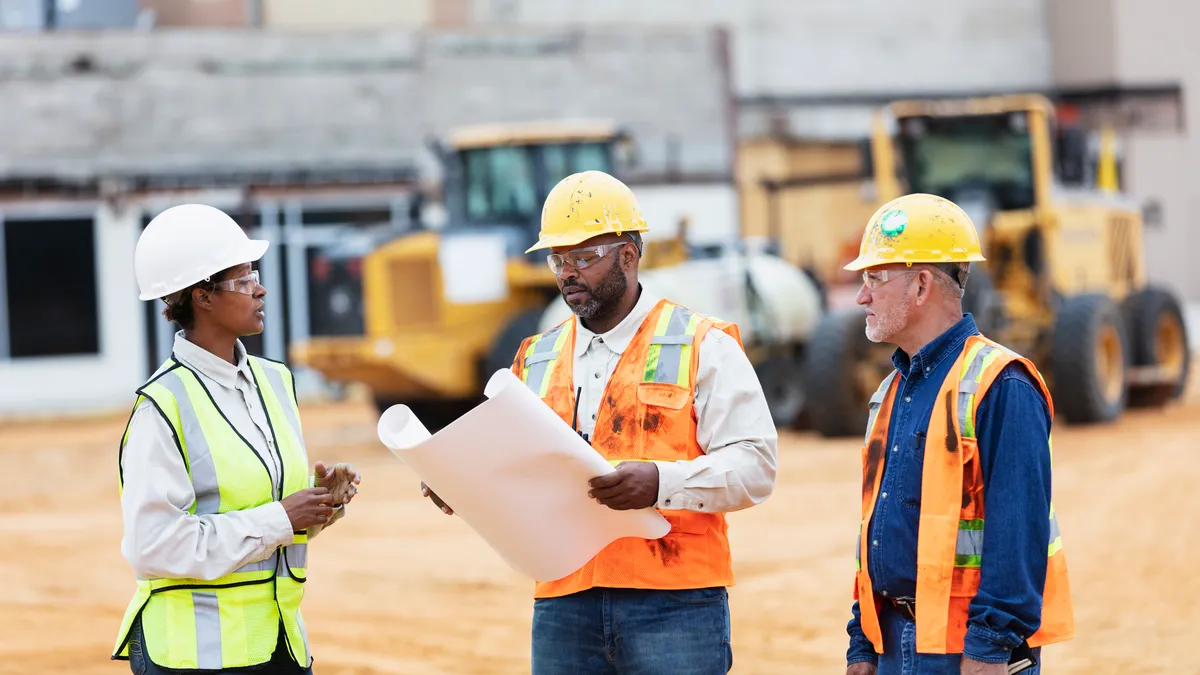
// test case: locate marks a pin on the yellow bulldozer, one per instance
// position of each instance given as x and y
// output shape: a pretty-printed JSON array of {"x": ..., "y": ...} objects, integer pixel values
[
  {"x": 1064, "y": 282},
  {"x": 443, "y": 309}
]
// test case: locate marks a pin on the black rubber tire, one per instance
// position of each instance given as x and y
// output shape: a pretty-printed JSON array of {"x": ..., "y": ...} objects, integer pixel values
[
  {"x": 1143, "y": 311},
  {"x": 504, "y": 347},
  {"x": 433, "y": 413},
  {"x": 834, "y": 352},
  {"x": 783, "y": 384},
  {"x": 1077, "y": 389},
  {"x": 982, "y": 301}
]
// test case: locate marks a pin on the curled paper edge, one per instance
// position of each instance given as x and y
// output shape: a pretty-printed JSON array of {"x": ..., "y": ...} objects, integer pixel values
[{"x": 399, "y": 429}]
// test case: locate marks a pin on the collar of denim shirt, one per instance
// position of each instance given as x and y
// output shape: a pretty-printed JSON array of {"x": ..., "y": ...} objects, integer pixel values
[{"x": 931, "y": 355}]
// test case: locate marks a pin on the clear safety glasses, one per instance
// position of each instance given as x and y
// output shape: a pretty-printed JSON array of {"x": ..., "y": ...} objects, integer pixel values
[
  {"x": 581, "y": 258},
  {"x": 875, "y": 279},
  {"x": 247, "y": 284}
]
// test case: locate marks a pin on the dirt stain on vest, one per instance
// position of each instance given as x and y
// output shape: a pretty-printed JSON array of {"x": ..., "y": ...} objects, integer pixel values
[
  {"x": 665, "y": 550},
  {"x": 652, "y": 421},
  {"x": 874, "y": 459},
  {"x": 951, "y": 434},
  {"x": 618, "y": 420}
]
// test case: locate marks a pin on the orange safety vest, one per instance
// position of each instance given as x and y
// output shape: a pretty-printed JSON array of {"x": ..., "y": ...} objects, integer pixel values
[
  {"x": 950, "y": 538},
  {"x": 647, "y": 413}
]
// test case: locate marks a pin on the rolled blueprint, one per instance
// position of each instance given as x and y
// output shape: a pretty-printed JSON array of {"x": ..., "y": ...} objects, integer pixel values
[{"x": 518, "y": 476}]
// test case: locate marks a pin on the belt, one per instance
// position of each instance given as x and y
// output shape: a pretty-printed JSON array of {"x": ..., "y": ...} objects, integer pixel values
[{"x": 905, "y": 606}]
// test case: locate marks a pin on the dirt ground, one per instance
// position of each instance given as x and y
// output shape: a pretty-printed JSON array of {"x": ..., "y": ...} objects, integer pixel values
[{"x": 398, "y": 588}]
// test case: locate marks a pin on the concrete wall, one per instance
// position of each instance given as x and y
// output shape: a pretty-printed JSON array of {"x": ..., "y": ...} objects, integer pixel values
[
  {"x": 100, "y": 382},
  {"x": 823, "y": 47},
  {"x": 203, "y": 101}
]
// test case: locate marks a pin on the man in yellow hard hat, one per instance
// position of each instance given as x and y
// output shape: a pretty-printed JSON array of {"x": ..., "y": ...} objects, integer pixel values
[
  {"x": 960, "y": 562},
  {"x": 669, "y": 397}
]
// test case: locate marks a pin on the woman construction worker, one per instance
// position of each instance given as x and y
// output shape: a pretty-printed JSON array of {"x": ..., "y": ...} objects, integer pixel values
[{"x": 216, "y": 493}]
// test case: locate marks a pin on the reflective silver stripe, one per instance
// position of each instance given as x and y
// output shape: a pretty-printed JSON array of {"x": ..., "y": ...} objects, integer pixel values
[
  {"x": 296, "y": 556},
  {"x": 1055, "y": 533},
  {"x": 671, "y": 344},
  {"x": 208, "y": 630},
  {"x": 876, "y": 402},
  {"x": 966, "y": 394},
  {"x": 303, "y": 631},
  {"x": 537, "y": 369},
  {"x": 970, "y": 542},
  {"x": 284, "y": 396},
  {"x": 200, "y": 462}
]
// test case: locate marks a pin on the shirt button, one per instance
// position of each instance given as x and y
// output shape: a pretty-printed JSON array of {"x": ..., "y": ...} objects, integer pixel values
[
  {"x": 895, "y": 448},
  {"x": 908, "y": 399},
  {"x": 668, "y": 502},
  {"x": 597, "y": 376},
  {"x": 884, "y": 495},
  {"x": 701, "y": 506},
  {"x": 593, "y": 417},
  {"x": 875, "y": 543}
]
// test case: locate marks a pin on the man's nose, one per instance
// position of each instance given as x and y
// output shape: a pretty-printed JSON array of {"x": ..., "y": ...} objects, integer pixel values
[{"x": 864, "y": 295}]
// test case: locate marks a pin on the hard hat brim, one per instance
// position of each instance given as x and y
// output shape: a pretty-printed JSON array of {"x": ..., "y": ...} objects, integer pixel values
[
  {"x": 251, "y": 251},
  {"x": 863, "y": 262},
  {"x": 575, "y": 238}
]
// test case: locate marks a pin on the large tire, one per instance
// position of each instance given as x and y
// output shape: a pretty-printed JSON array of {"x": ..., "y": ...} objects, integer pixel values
[
  {"x": 845, "y": 368},
  {"x": 504, "y": 348},
  {"x": 783, "y": 384},
  {"x": 433, "y": 413},
  {"x": 1088, "y": 360},
  {"x": 982, "y": 301},
  {"x": 1158, "y": 337}
]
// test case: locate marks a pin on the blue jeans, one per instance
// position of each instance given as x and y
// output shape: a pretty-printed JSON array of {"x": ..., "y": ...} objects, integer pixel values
[
  {"x": 633, "y": 632},
  {"x": 900, "y": 655}
]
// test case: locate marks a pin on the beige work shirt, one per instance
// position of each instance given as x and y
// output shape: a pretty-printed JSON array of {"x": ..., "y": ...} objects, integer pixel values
[
  {"x": 161, "y": 538},
  {"x": 734, "y": 425}
]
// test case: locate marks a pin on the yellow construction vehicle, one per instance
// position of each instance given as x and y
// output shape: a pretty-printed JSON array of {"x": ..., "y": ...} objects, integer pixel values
[
  {"x": 444, "y": 309},
  {"x": 1065, "y": 279}
]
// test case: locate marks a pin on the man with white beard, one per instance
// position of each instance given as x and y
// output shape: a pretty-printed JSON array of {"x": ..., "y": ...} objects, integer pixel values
[{"x": 959, "y": 431}]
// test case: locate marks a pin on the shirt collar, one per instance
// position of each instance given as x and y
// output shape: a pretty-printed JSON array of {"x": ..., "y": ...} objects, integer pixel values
[
  {"x": 944, "y": 345},
  {"x": 210, "y": 365},
  {"x": 622, "y": 334}
]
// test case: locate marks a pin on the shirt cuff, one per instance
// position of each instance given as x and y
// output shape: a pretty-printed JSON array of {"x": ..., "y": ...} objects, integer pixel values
[
  {"x": 985, "y": 646},
  {"x": 670, "y": 486},
  {"x": 276, "y": 527}
]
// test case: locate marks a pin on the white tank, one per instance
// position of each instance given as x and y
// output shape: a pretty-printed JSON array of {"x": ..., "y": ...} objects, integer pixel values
[{"x": 788, "y": 302}]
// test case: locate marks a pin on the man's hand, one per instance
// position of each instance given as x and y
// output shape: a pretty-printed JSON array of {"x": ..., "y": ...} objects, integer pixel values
[
  {"x": 861, "y": 668},
  {"x": 340, "y": 479},
  {"x": 425, "y": 491},
  {"x": 972, "y": 667},
  {"x": 634, "y": 485}
]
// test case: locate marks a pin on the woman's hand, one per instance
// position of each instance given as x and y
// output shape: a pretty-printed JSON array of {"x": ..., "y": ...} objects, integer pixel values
[{"x": 340, "y": 479}]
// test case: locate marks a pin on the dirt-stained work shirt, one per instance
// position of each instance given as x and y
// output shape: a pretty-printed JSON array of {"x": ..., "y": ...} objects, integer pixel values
[
  {"x": 734, "y": 425},
  {"x": 161, "y": 538}
]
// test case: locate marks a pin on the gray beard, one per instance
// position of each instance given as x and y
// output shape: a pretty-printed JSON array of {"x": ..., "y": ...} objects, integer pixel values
[{"x": 605, "y": 296}]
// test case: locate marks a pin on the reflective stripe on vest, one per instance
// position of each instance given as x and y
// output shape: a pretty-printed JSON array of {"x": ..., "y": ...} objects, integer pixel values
[
  {"x": 670, "y": 356},
  {"x": 970, "y": 532},
  {"x": 540, "y": 358},
  {"x": 235, "y": 623}
]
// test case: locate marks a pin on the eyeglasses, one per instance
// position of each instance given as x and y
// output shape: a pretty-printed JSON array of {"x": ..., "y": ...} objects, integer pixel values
[
  {"x": 247, "y": 284},
  {"x": 581, "y": 258},
  {"x": 873, "y": 280}
]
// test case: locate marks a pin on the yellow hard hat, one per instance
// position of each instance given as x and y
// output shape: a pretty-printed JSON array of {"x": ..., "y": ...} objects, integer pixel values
[
  {"x": 918, "y": 228},
  {"x": 585, "y": 205}
]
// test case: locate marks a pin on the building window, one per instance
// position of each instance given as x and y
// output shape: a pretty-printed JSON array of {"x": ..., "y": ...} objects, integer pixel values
[{"x": 50, "y": 278}]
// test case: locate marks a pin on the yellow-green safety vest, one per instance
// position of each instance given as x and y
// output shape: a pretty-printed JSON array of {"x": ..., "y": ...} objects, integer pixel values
[{"x": 232, "y": 621}]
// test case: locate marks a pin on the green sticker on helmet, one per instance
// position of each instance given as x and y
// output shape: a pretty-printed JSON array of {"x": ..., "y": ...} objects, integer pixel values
[{"x": 893, "y": 223}]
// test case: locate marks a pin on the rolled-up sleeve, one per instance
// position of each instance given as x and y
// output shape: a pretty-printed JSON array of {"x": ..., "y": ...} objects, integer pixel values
[
  {"x": 161, "y": 539},
  {"x": 736, "y": 432}
]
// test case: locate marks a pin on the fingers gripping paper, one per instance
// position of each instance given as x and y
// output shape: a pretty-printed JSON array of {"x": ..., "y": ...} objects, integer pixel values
[{"x": 518, "y": 475}]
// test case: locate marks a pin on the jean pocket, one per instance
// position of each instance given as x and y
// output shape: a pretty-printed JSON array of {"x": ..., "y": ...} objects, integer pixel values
[{"x": 698, "y": 596}]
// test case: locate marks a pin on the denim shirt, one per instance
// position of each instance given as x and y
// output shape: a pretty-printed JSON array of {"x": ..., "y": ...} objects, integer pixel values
[{"x": 1012, "y": 429}]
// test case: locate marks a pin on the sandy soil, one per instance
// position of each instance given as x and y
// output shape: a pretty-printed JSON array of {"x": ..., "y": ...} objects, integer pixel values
[{"x": 1126, "y": 494}]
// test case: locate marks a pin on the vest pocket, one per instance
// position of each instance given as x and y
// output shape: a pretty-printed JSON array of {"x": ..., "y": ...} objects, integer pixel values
[
  {"x": 686, "y": 522},
  {"x": 663, "y": 395}
]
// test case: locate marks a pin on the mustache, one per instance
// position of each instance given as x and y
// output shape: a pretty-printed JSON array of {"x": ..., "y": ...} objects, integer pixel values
[{"x": 572, "y": 286}]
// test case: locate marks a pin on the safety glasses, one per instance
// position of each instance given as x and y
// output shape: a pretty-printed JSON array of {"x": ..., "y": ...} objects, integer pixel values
[
  {"x": 247, "y": 284},
  {"x": 581, "y": 258},
  {"x": 873, "y": 279}
]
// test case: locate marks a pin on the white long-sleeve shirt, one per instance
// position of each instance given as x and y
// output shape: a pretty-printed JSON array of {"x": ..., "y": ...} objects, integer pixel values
[
  {"x": 161, "y": 539},
  {"x": 734, "y": 426}
]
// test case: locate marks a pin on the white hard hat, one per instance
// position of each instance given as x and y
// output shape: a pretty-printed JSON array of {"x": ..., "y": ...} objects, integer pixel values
[{"x": 189, "y": 243}]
